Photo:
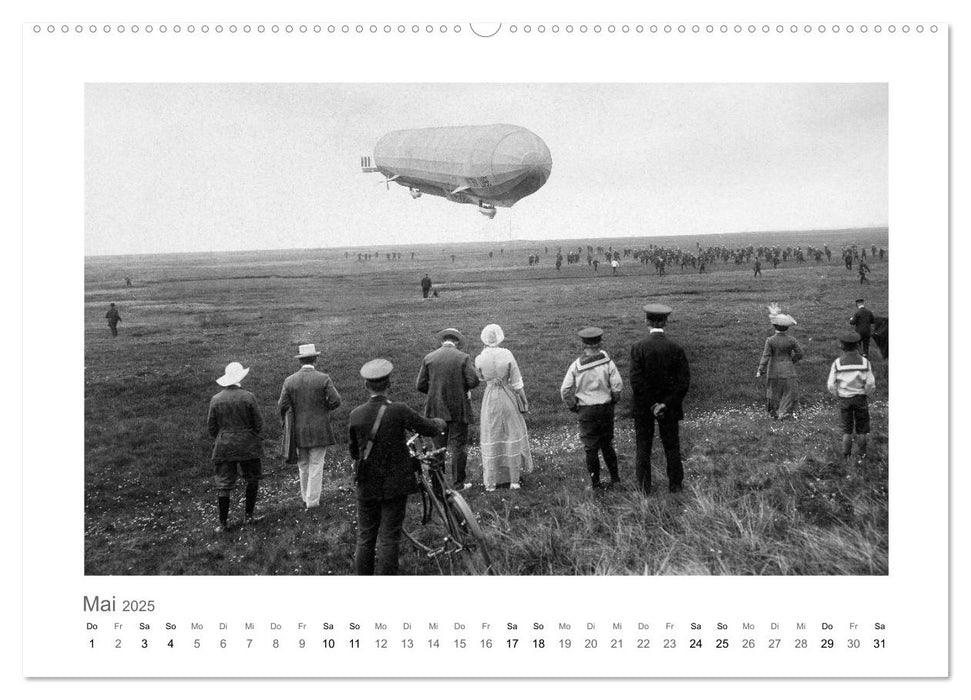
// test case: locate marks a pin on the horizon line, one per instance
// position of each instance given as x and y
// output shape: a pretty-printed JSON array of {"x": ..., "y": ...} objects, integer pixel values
[{"x": 499, "y": 243}]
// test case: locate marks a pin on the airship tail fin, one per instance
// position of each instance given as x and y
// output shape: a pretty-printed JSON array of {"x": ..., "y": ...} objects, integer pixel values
[{"x": 366, "y": 166}]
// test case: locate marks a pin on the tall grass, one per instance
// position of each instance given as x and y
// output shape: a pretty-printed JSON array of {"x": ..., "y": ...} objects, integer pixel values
[{"x": 761, "y": 497}]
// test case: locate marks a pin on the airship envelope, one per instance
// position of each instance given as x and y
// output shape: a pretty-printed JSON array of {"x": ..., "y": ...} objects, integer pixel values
[{"x": 490, "y": 166}]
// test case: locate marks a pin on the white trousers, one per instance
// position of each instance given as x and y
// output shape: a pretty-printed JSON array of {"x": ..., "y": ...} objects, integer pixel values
[{"x": 310, "y": 462}]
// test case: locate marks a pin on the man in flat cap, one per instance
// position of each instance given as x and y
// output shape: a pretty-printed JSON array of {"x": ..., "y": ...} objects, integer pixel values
[
  {"x": 659, "y": 378},
  {"x": 851, "y": 381},
  {"x": 862, "y": 322},
  {"x": 384, "y": 476},
  {"x": 426, "y": 285},
  {"x": 311, "y": 395},
  {"x": 591, "y": 387},
  {"x": 236, "y": 424},
  {"x": 446, "y": 377}
]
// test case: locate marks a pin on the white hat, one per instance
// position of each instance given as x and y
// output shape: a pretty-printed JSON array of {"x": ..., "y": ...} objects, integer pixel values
[
  {"x": 492, "y": 335},
  {"x": 234, "y": 374},
  {"x": 777, "y": 318},
  {"x": 308, "y": 350}
]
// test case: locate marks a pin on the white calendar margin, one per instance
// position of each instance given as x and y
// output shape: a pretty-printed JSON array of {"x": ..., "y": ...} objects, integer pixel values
[{"x": 912, "y": 600}]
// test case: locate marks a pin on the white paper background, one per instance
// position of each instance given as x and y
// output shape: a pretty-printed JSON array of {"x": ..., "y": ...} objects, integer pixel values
[{"x": 57, "y": 67}]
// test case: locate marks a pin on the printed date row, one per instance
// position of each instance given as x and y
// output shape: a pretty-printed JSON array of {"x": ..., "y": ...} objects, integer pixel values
[{"x": 490, "y": 643}]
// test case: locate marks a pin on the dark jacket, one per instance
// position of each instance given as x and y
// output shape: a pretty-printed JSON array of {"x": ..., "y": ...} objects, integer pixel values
[
  {"x": 236, "y": 423},
  {"x": 659, "y": 374},
  {"x": 447, "y": 375},
  {"x": 113, "y": 316},
  {"x": 312, "y": 396},
  {"x": 387, "y": 472},
  {"x": 881, "y": 335},
  {"x": 862, "y": 320},
  {"x": 779, "y": 355}
]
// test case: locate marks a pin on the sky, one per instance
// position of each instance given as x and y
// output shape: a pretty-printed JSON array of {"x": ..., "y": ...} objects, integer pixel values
[{"x": 218, "y": 167}]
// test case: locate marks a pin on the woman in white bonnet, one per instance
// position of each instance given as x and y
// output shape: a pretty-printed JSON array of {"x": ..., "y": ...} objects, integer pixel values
[
  {"x": 778, "y": 364},
  {"x": 503, "y": 438}
]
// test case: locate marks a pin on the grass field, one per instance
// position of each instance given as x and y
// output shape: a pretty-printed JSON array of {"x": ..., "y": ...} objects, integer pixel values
[{"x": 761, "y": 497}]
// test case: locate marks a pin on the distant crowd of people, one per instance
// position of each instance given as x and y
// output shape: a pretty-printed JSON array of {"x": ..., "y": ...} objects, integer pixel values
[
  {"x": 659, "y": 376},
  {"x": 664, "y": 258}
]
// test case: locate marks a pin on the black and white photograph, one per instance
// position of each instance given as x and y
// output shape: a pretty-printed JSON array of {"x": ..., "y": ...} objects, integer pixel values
[{"x": 530, "y": 329}]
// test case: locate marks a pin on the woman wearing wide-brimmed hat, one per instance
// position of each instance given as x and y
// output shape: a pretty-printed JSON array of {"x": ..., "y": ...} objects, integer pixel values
[
  {"x": 236, "y": 424},
  {"x": 502, "y": 429},
  {"x": 778, "y": 364}
]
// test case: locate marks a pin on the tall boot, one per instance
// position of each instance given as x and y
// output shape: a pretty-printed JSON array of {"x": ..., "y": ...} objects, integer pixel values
[
  {"x": 251, "y": 490},
  {"x": 223, "y": 514}
]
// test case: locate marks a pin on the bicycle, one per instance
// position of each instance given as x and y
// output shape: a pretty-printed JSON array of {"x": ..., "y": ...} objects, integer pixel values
[{"x": 462, "y": 538}]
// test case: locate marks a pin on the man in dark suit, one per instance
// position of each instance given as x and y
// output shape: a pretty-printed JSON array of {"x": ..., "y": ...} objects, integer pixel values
[
  {"x": 447, "y": 376},
  {"x": 659, "y": 378},
  {"x": 377, "y": 444},
  {"x": 881, "y": 335},
  {"x": 426, "y": 286},
  {"x": 862, "y": 322},
  {"x": 312, "y": 396},
  {"x": 113, "y": 318}
]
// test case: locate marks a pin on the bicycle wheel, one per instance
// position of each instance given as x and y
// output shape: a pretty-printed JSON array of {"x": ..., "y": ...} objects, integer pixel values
[
  {"x": 469, "y": 534},
  {"x": 430, "y": 538}
]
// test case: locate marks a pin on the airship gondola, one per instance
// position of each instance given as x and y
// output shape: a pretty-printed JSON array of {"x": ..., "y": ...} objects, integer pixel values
[{"x": 488, "y": 166}]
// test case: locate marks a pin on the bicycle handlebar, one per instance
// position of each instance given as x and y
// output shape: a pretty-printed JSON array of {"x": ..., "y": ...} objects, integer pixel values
[{"x": 416, "y": 447}]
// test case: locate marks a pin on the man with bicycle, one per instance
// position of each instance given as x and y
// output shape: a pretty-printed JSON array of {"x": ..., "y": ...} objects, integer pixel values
[{"x": 384, "y": 474}]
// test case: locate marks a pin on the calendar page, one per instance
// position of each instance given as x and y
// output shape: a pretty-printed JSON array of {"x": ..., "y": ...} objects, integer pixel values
[{"x": 416, "y": 346}]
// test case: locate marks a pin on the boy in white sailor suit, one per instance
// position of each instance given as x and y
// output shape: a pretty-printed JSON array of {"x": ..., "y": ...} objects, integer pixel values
[
  {"x": 851, "y": 381},
  {"x": 591, "y": 387}
]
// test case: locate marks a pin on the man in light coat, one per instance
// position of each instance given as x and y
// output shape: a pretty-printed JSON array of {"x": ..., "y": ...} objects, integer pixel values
[
  {"x": 446, "y": 377},
  {"x": 311, "y": 395}
]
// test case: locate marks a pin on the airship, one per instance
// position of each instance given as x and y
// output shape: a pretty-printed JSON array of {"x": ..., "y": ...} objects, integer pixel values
[{"x": 488, "y": 166}]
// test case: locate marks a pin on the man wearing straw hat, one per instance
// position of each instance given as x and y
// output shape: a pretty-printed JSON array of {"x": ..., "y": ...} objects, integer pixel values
[
  {"x": 659, "y": 378},
  {"x": 446, "y": 377},
  {"x": 312, "y": 396},
  {"x": 236, "y": 424}
]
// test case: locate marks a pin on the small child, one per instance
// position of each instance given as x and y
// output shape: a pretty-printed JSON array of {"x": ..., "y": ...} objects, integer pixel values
[
  {"x": 851, "y": 381},
  {"x": 591, "y": 387}
]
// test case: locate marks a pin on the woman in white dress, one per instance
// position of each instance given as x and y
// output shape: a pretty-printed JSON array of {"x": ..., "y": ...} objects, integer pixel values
[{"x": 503, "y": 438}]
